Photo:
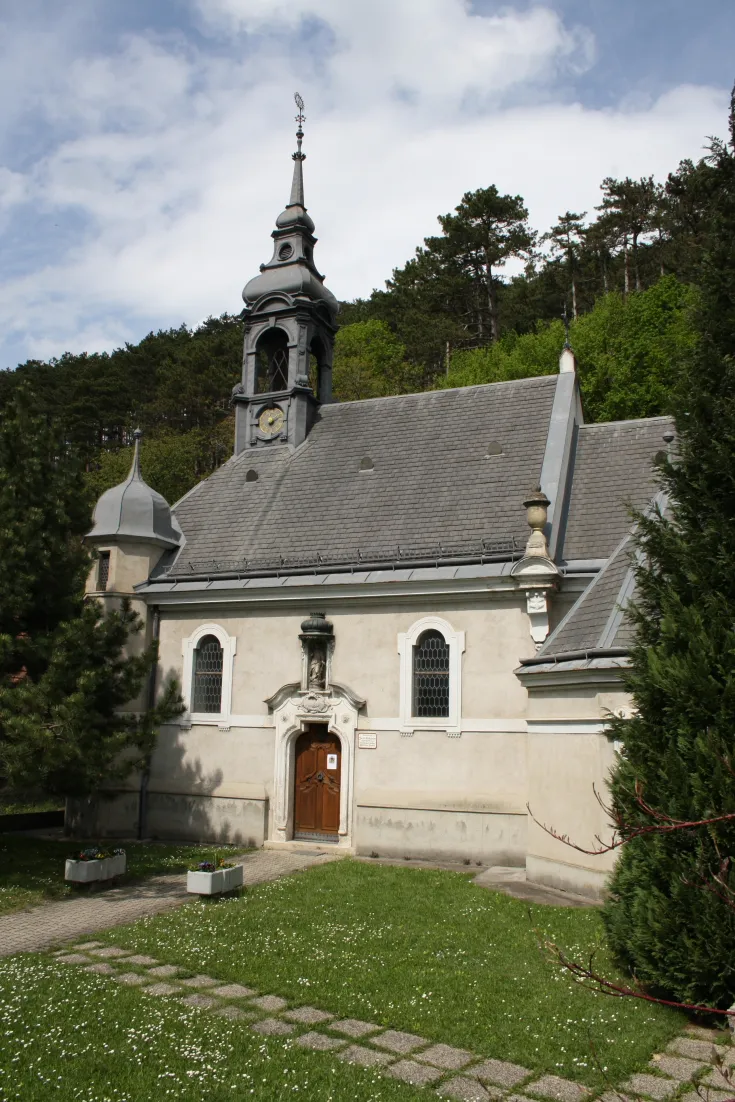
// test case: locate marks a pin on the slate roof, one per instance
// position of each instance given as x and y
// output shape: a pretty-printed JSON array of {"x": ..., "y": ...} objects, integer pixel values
[
  {"x": 613, "y": 470},
  {"x": 597, "y": 621},
  {"x": 433, "y": 480}
]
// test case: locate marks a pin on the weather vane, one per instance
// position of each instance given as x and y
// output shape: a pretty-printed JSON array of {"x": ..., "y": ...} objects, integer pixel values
[{"x": 298, "y": 155}]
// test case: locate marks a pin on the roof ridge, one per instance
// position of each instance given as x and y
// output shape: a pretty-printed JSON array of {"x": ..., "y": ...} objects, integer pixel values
[
  {"x": 628, "y": 421},
  {"x": 439, "y": 390}
]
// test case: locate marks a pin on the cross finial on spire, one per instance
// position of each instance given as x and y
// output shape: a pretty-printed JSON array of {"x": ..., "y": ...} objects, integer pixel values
[{"x": 297, "y": 187}]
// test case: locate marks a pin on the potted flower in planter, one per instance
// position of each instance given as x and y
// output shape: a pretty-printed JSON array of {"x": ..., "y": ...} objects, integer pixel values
[
  {"x": 213, "y": 877},
  {"x": 95, "y": 863}
]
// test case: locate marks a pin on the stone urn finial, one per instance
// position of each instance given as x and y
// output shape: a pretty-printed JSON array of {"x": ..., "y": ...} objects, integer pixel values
[{"x": 536, "y": 506}]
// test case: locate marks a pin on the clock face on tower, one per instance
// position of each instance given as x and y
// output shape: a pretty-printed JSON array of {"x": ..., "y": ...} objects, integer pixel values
[{"x": 270, "y": 421}]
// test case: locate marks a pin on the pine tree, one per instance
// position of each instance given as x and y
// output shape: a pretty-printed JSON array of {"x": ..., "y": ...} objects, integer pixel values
[
  {"x": 63, "y": 671},
  {"x": 667, "y": 918}
]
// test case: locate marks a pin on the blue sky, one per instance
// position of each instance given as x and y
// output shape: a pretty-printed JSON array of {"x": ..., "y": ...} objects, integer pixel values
[{"x": 145, "y": 144}]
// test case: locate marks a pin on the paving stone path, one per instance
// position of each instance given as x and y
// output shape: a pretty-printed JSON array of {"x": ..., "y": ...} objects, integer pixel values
[
  {"x": 688, "y": 1065},
  {"x": 52, "y": 923}
]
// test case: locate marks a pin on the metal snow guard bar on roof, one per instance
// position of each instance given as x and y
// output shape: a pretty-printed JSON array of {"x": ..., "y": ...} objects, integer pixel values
[{"x": 486, "y": 550}]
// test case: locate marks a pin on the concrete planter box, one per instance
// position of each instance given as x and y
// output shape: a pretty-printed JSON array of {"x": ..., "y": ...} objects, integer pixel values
[
  {"x": 214, "y": 883},
  {"x": 85, "y": 872}
]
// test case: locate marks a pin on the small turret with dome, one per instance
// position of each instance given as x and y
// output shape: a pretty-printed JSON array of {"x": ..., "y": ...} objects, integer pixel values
[
  {"x": 136, "y": 523},
  {"x": 133, "y": 510},
  {"x": 290, "y": 322}
]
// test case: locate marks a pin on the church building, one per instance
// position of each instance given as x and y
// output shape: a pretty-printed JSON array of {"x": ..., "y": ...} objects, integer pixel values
[{"x": 398, "y": 624}]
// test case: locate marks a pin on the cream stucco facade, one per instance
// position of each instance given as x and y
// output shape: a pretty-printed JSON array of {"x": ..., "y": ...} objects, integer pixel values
[{"x": 456, "y": 789}]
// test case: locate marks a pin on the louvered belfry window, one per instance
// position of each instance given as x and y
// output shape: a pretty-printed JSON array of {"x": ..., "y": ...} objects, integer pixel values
[
  {"x": 431, "y": 675},
  {"x": 207, "y": 695}
]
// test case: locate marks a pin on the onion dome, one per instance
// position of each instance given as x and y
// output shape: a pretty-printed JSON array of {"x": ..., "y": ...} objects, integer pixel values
[{"x": 134, "y": 511}]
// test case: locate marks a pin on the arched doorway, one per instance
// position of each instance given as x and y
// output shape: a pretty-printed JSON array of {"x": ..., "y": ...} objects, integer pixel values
[{"x": 317, "y": 782}]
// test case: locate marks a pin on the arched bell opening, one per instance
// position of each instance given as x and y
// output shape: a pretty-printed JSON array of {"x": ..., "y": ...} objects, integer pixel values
[{"x": 271, "y": 362}]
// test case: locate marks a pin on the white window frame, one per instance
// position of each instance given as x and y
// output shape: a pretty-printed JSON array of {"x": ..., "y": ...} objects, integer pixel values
[
  {"x": 229, "y": 647},
  {"x": 406, "y": 642}
]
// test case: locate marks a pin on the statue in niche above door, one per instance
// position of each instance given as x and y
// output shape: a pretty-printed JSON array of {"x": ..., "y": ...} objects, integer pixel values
[{"x": 317, "y": 640}]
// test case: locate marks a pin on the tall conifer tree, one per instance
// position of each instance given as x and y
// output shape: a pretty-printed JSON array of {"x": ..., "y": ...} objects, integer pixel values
[
  {"x": 64, "y": 675},
  {"x": 667, "y": 919}
]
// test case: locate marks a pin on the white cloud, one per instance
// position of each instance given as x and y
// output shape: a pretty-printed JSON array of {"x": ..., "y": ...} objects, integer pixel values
[{"x": 178, "y": 157}]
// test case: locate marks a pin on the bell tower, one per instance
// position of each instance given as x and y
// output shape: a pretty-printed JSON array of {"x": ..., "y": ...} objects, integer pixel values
[{"x": 290, "y": 322}]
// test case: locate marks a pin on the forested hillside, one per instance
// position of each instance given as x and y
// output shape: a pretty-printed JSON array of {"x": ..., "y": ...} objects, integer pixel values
[{"x": 624, "y": 276}]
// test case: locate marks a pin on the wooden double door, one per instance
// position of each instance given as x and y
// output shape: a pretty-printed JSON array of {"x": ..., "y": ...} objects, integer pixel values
[{"x": 318, "y": 773}]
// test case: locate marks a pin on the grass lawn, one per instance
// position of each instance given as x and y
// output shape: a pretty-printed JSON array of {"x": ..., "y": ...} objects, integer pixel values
[
  {"x": 32, "y": 869},
  {"x": 418, "y": 950},
  {"x": 76, "y": 1037}
]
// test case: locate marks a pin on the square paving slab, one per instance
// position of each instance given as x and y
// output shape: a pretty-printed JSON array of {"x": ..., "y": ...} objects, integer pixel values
[
  {"x": 273, "y": 1003},
  {"x": 165, "y": 970},
  {"x": 233, "y": 991},
  {"x": 161, "y": 989},
  {"x": 499, "y": 1072},
  {"x": 444, "y": 1056},
  {"x": 132, "y": 979},
  {"x": 202, "y": 1001},
  {"x": 651, "y": 1085},
  {"x": 73, "y": 958},
  {"x": 464, "y": 1090},
  {"x": 141, "y": 959},
  {"x": 272, "y": 1027},
  {"x": 710, "y": 1095},
  {"x": 367, "y": 1057},
  {"x": 396, "y": 1041},
  {"x": 109, "y": 952},
  {"x": 553, "y": 1086},
  {"x": 717, "y": 1080},
  {"x": 101, "y": 968},
  {"x": 353, "y": 1027},
  {"x": 678, "y": 1067},
  {"x": 689, "y": 1046},
  {"x": 307, "y": 1015},
  {"x": 319, "y": 1042},
  {"x": 199, "y": 981},
  {"x": 88, "y": 945},
  {"x": 411, "y": 1072},
  {"x": 717, "y": 1036}
]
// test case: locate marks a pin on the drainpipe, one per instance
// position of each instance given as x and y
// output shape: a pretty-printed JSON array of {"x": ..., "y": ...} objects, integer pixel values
[{"x": 150, "y": 703}]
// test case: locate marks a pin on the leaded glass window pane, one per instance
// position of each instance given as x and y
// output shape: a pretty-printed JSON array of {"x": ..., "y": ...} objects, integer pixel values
[
  {"x": 207, "y": 694},
  {"x": 103, "y": 570},
  {"x": 431, "y": 675}
]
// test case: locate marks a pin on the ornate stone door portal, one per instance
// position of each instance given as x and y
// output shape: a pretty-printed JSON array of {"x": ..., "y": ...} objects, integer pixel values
[{"x": 314, "y": 719}]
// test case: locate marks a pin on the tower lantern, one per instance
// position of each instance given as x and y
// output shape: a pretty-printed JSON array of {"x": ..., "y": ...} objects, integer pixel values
[{"x": 290, "y": 322}]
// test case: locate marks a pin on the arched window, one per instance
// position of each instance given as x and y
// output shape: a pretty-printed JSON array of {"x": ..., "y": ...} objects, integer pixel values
[
  {"x": 208, "y": 662},
  {"x": 431, "y": 675},
  {"x": 271, "y": 362},
  {"x": 207, "y": 676}
]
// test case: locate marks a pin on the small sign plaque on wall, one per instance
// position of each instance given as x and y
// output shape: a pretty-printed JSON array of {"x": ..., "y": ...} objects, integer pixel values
[
  {"x": 331, "y": 761},
  {"x": 367, "y": 740}
]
